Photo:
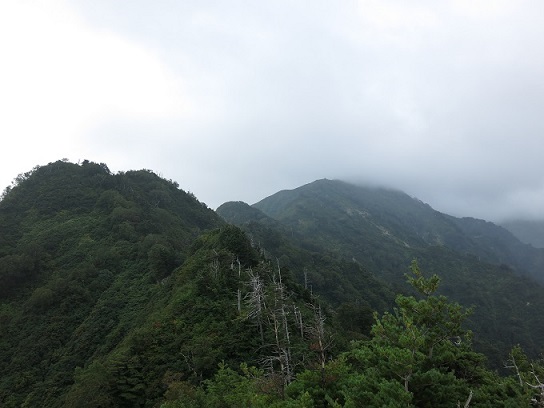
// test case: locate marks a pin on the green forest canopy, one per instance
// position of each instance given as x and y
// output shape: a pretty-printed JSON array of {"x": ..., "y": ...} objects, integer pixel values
[{"x": 123, "y": 290}]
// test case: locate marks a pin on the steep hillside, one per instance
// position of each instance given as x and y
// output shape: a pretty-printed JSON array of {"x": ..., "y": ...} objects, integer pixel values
[
  {"x": 529, "y": 232},
  {"x": 382, "y": 230},
  {"x": 239, "y": 212},
  {"x": 57, "y": 214},
  {"x": 497, "y": 245},
  {"x": 121, "y": 290},
  {"x": 83, "y": 256},
  {"x": 325, "y": 207},
  {"x": 342, "y": 282}
]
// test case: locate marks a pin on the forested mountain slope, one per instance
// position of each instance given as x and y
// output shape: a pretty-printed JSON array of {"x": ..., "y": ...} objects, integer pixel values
[
  {"x": 111, "y": 290},
  {"x": 529, "y": 232},
  {"x": 382, "y": 230},
  {"x": 122, "y": 290},
  {"x": 340, "y": 281},
  {"x": 399, "y": 217},
  {"x": 84, "y": 254}
]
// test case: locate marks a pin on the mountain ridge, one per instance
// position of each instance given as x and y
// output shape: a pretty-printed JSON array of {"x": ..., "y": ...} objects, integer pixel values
[
  {"x": 115, "y": 288},
  {"x": 421, "y": 220},
  {"x": 527, "y": 231},
  {"x": 383, "y": 230},
  {"x": 124, "y": 290}
]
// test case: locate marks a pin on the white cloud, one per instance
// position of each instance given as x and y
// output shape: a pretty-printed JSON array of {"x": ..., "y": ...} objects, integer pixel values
[
  {"x": 60, "y": 76},
  {"x": 442, "y": 99}
]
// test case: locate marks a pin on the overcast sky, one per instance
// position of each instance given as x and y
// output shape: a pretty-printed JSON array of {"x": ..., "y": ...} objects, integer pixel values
[{"x": 236, "y": 100}]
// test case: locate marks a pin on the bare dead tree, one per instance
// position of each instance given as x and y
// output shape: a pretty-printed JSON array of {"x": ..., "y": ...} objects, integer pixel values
[
  {"x": 214, "y": 269},
  {"x": 280, "y": 326},
  {"x": 239, "y": 292},
  {"x": 255, "y": 299},
  {"x": 467, "y": 402},
  {"x": 317, "y": 333},
  {"x": 321, "y": 341},
  {"x": 298, "y": 320},
  {"x": 538, "y": 400},
  {"x": 520, "y": 368},
  {"x": 513, "y": 365}
]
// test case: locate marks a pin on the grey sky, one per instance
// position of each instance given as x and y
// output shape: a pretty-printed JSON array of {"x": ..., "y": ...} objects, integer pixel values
[{"x": 236, "y": 100}]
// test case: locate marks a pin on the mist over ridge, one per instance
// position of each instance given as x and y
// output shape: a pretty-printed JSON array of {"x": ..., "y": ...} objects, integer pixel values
[{"x": 441, "y": 100}]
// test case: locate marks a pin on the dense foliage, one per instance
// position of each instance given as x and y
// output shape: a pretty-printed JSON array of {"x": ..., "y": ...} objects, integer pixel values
[
  {"x": 382, "y": 231},
  {"x": 419, "y": 355},
  {"x": 84, "y": 258},
  {"x": 117, "y": 288},
  {"x": 363, "y": 221},
  {"x": 121, "y": 290},
  {"x": 527, "y": 231}
]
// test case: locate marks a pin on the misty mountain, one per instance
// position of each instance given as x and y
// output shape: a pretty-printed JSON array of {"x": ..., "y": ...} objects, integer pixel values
[
  {"x": 320, "y": 207},
  {"x": 382, "y": 230},
  {"x": 88, "y": 282},
  {"x": 123, "y": 290},
  {"x": 527, "y": 231},
  {"x": 338, "y": 280},
  {"x": 116, "y": 288}
]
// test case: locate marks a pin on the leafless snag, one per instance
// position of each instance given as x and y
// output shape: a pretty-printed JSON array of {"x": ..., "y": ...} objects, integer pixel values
[
  {"x": 512, "y": 364},
  {"x": 298, "y": 320},
  {"x": 520, "y": 368},
  {"x": 537, "y": 401},
  {"x": 214, "y": 269},
  {"x": 256, "y": 301},
  {"x": 277, "y": 318},
  {"x": 467, "y": 402},
  {"x": 239, "y": 292}
]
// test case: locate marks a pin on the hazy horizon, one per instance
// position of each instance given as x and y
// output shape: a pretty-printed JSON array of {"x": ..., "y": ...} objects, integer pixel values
[{"x": 440, "y": 99}]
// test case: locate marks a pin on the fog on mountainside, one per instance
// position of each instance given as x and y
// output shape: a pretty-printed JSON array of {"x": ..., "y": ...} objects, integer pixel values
[
  {"x": 383, "y": 229},
  {"x": 527, "y": 231},
  {"x": 123, "y": 290}
]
